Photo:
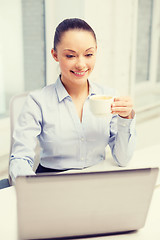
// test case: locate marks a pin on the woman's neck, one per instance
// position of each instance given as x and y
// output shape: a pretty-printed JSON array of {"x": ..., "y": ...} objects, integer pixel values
[
  {"x": 78, "y": 93},
  {"x": 77, "y": 90}
]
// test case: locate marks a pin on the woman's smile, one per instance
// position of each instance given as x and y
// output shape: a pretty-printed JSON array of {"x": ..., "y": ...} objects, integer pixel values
[{"x": 79, "y": 73}]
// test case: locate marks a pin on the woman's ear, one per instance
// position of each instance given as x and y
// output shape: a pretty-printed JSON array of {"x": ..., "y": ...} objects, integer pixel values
[{"x": 54, "y": 55}]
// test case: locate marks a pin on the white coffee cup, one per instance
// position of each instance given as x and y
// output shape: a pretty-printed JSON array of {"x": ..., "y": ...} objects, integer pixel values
[{"x": 100, "y": 105}]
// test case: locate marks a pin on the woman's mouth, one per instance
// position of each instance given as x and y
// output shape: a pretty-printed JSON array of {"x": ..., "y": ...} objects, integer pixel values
[{"x": 79, "y": 73}]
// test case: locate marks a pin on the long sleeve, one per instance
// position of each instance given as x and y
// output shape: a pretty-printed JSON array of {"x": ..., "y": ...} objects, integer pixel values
[
  {"x": 27, "y": 128},
  {"x": 122, "y": 139}
]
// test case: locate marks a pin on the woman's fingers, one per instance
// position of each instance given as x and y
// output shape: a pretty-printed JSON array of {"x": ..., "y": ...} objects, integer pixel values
[{"x": 122, "y": 106}]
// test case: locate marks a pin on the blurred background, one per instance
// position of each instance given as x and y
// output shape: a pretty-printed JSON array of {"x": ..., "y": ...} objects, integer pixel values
[{"x": 128, "y": 35}]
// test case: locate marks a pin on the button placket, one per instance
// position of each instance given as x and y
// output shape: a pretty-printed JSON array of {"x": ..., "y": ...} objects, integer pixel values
[
  {"x": 82, "y": 148},
  {"x": 80, "y": 132}
]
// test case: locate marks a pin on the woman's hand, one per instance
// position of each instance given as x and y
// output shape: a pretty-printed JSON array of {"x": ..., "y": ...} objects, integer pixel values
[{"x": 123, "y": 106}]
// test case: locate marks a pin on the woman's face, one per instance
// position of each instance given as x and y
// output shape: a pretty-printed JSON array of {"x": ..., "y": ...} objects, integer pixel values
[{"x": 76, "y": 54}]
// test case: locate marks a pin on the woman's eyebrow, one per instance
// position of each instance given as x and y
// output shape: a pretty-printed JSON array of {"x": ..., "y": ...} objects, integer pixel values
[
  {"x": 69, "y": 50},
  {"x": 75, "y": 51},
  {"x": 90, "y": 48}
]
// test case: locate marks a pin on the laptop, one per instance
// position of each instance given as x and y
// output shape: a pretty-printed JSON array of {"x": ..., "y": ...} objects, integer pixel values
[{"x": 83, "y": 204}]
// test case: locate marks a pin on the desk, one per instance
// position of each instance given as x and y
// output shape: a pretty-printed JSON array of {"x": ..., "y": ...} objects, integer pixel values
[
  {"x": 8, "y": 214},
  {"x": 142, "y": 158}
]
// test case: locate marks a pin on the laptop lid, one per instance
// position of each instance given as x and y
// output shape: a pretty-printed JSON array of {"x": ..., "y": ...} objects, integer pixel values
[{"x": 83, "y": 204}]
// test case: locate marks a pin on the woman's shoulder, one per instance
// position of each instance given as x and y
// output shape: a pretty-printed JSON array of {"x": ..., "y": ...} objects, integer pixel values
[{"x": 44, "y": 92}]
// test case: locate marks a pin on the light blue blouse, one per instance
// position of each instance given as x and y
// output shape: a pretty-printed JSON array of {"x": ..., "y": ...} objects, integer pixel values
[{"x": 67, "y": 143}]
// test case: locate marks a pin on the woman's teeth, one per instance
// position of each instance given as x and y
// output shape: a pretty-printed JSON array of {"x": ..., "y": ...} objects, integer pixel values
[{"x": 79, "y": 73}]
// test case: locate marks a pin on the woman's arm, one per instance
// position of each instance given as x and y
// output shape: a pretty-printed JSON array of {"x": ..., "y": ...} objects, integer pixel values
[
  {"x": 27, "y": 128},
  {"x": 122, "y": 130}
]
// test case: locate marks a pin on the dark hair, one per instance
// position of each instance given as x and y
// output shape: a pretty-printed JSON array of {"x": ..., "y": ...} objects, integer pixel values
[{"x": 69, "y": 24}]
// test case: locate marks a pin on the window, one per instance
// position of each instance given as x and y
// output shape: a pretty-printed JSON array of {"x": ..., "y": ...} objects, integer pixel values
[
  {"x": 22, "y": 49},
  {"x": 158, "y": 63},
  {"x": 145, "y": 11},
  {"x": 148, "y": 55}
]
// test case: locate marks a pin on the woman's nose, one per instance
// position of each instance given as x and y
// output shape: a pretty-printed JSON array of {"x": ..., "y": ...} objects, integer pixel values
[{"x": 80, "y": 64}]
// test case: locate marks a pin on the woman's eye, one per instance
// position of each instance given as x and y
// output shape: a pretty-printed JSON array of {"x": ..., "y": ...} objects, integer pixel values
[
  {"x": 89, "y": 55},
  {"x": 69, "y": 56}
]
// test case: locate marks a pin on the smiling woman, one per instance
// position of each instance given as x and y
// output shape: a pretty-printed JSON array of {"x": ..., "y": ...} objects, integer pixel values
[
  {"x": 75, "y": 48},
  {"x": 59, "y": 115},
  {"x": 76, "y": 54}
]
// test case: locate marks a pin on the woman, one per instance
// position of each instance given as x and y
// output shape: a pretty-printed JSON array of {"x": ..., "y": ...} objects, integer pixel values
[{"x": 70, "y": 136}]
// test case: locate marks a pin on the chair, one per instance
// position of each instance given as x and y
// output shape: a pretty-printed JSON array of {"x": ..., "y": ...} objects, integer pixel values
[{"x": 16, "y": 104}]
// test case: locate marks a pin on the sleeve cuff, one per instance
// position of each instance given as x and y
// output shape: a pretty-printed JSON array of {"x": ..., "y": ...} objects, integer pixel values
[
  {"x": 127, "y": 125},
  {"x": 19, "y": 167}
]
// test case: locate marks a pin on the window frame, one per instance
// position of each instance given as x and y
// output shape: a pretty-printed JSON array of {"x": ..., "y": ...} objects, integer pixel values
[{"x": 150, "y": 86}]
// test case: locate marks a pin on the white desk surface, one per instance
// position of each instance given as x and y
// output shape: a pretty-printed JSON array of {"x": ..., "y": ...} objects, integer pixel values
[{"x": 142, "y": 158}]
